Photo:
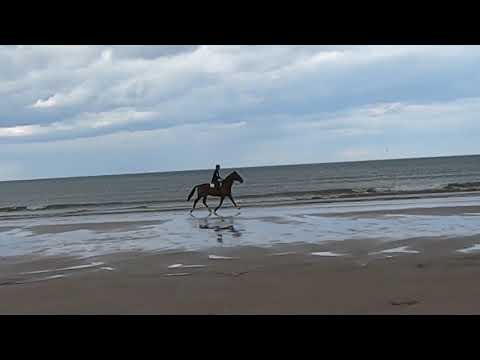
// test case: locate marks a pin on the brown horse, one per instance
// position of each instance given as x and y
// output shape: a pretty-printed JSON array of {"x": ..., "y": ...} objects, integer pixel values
[{"x": 224, "y": 190}]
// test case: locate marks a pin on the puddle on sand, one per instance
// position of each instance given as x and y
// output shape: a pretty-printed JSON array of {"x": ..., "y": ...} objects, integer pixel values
[
  {"x": 262, "y": 227},
  {"x": 28, "y": 281},
  {"x": 473, "y": 248},
  {"x": 217, "y": 257},
  {"x": 178, "y": 274},
  {"x": 94, "y": 264},
  {"x": 283, "y": 253},
  {"x": 326, "y": 253},
  {"x": 401, "y": 249},
  {"x": 177, "y": 266}
]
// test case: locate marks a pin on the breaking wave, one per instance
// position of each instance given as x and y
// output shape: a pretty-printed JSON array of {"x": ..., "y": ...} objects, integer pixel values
[{"x": 68, "y": 209}]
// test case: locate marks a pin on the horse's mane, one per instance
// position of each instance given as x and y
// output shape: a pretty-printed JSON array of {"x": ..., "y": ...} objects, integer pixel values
[{"x": 230, "y": 175}]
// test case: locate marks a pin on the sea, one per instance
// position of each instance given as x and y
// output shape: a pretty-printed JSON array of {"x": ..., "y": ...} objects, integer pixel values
[
  {"x": 83, "y": 217},
  {"x": 262, "y": 186}
]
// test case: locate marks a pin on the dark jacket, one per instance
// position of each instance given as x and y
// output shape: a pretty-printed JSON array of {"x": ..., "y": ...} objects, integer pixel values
[{"x": 216, "y": 177}]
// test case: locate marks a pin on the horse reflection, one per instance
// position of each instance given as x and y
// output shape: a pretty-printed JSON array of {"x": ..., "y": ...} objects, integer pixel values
[{"x": 220, "y": 227}]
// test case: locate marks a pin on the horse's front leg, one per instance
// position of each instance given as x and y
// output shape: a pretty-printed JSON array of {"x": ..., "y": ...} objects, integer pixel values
[
  {"x": 218, "y": 207},
  {"x": 233, "y": 201}
]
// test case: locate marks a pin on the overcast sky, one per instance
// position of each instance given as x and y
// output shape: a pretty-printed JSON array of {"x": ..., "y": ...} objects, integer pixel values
[{"x": 90, "y": 110}]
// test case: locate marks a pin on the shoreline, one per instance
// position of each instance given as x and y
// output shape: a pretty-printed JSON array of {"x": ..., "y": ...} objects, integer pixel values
[
  {"x": 313, "y": 224},
  {"x": 419, "y": 257},
  {"x": 51, "y": 211}
]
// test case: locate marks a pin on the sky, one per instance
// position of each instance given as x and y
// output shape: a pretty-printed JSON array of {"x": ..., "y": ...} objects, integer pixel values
[{"x": 94, "y": 110}]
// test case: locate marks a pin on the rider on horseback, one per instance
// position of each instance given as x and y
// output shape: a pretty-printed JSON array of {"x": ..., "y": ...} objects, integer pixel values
[
  {"x": 216, "y": 179},
  {"x": 222, "y": 190}
]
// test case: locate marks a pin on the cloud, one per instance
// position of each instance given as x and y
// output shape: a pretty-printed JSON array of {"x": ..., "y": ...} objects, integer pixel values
[
  {"x": 18, "y": 131},
  {"x": 83, "y": 125},
  {"x": 315, "y": 101},
  {"x": 50, "y": 102},
  {"x": 384, "y": 109},
  {"x": 383, "y": 117},
  {"x": 184, "y": 146},
  {"x": 60, "y": 99}
]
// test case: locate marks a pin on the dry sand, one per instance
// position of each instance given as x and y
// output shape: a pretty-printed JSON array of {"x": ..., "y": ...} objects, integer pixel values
[{"x": 278, "y": 280}]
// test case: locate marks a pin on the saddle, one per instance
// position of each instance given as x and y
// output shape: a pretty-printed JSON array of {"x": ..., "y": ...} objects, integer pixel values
[{"x": 212, "y": 185}]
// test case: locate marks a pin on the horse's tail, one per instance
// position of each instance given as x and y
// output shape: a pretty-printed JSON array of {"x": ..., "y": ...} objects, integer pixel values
[{"x": 191, "y": 193}]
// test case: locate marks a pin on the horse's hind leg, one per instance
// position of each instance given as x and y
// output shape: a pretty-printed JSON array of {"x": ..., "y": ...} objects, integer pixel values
[
  {"x": 205, "y": 203},
  {"x": 195, "y": 204}
]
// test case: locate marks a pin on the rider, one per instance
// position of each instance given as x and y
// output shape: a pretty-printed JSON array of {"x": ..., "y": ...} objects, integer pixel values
[{"x": 216, "y": 179}]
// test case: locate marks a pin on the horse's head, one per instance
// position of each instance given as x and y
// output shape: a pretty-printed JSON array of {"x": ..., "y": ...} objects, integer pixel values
[{"x": 236, "y": 177}]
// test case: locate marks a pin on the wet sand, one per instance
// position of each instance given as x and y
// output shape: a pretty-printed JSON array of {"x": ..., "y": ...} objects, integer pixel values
[
  {"x": 102, "y": 227},
  {"x": 407, "y": 258},
  {"x": 423, "y": 276},
  {"x": 419, "y": 211}
]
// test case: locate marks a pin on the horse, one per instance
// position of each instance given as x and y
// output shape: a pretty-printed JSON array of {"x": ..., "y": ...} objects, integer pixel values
[{"x": 224, "y": 190}]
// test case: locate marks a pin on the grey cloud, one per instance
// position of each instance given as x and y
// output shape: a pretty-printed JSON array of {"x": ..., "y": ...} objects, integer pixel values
[{"x": 55, "y": 90}]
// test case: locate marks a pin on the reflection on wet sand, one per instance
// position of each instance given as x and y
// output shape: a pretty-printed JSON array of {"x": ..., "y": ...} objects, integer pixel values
[
  {"x": 220, "y": 226},
  {"x": 87, "y": 236}
]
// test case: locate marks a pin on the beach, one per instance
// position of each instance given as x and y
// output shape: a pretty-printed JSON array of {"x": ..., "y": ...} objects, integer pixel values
[
  {"x": 394, "y": 257},
  {"x": 346, "y": 179},
  {"x": 255, "y": 282}
]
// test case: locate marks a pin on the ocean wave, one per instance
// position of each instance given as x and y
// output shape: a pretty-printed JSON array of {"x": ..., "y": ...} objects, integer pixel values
[
  {"x": 247, "y": 199},
  {"x": 13, "y": 208},
  {"x": 80, "y": 206},
  {"x": 468, "y": 186}
]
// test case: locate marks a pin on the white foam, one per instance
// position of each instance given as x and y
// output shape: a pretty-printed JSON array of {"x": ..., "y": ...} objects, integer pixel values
[
  {"x": 217, "y": 257},
  {"x": 94, "y": 264},
  {"x": 107, "y": 268},
  {"x": 175, "y": 266},
  {"x": 326, "y": 253},
  {"x": 470, "y": 249},
  {"x": 401, "y": 249}
]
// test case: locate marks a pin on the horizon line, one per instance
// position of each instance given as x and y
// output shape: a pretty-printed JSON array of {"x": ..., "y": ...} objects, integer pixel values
[{"x": 238, "y": 167}]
